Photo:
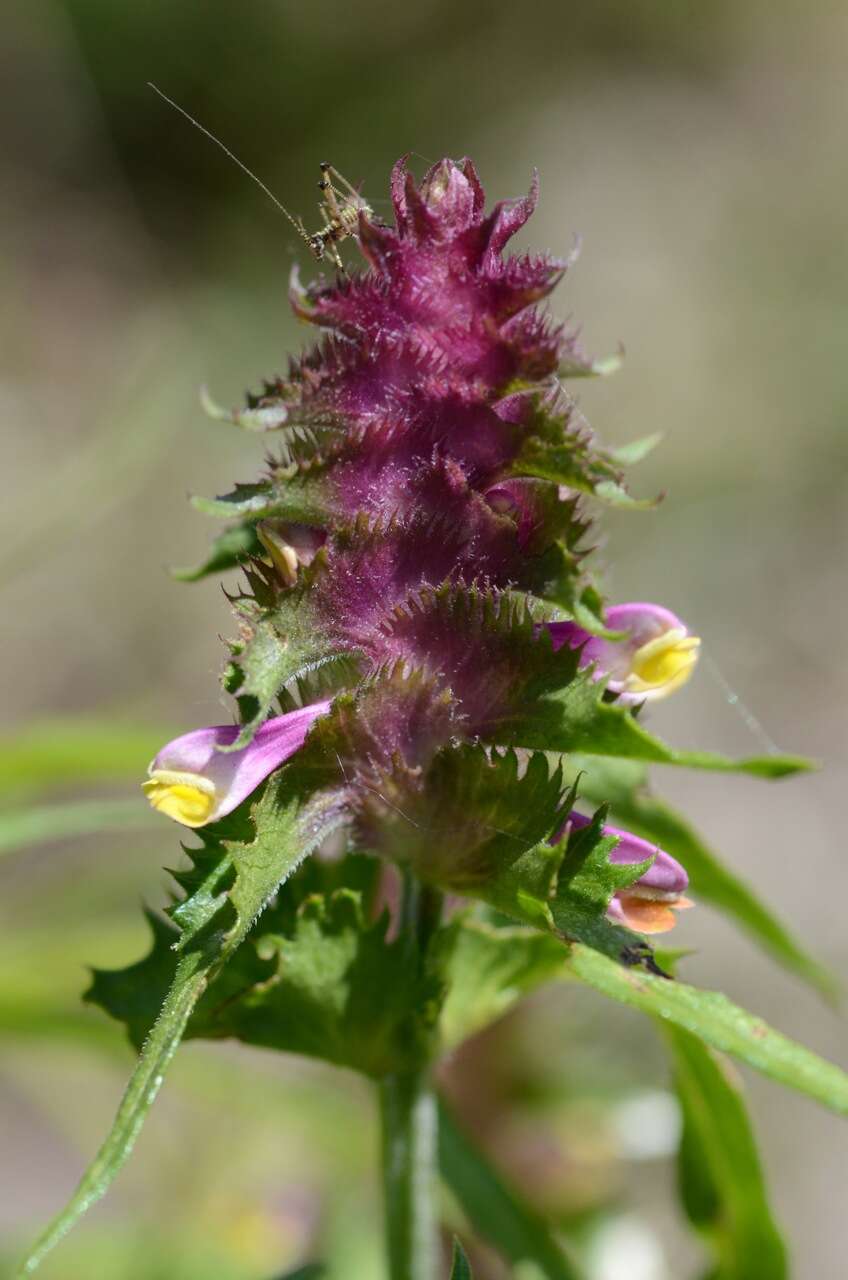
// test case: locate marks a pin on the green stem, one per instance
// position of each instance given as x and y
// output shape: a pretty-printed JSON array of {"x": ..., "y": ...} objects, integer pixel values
[{"x": 409, "y": 1124}]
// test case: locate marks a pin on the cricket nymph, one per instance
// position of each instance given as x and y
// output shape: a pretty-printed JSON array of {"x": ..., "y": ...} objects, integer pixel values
[{"x": 340, "y": 208}]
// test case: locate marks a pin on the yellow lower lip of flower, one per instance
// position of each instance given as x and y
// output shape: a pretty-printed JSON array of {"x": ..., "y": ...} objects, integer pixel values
[
  {"x": 663, "y": 664},
  {"x": 186, "y": 797}
]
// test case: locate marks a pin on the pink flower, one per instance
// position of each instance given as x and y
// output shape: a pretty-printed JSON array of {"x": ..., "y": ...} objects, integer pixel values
[
  {"x": 656, "y": 656},
  {"x": 194, "y": 782},
  {"x": 647, "y": 906}
]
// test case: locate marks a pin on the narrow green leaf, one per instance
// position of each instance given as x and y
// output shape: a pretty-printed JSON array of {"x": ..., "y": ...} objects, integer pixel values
[
  {"x": 496, "y": 1213},
  {"x": 719, "y": 1172},
  {"x": 50, "y": 753},
  {"x": 717, "y": 1021},
  {"x": 575, "y": 718},
  {"x": 283, "y": 831},
  {"x": 281, "y": 645},
  {"x": 36, "y": 824},
  {"x": 624, "y": 785},
  {"x": 140, "y": 1094},
  {"x": 228, "y": 551},
  {"x": 460, "y": 1266}
]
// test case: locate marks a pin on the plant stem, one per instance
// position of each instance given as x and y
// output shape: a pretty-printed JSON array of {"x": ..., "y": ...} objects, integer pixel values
[{"x": 409, "y": 1124}]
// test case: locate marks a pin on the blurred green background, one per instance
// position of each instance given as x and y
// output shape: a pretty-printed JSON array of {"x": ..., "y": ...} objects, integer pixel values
[{"x": 700, "y": 151}]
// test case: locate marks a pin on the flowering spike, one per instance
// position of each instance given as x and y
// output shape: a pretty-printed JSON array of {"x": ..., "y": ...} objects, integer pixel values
[{"x": 420, "y": 524}]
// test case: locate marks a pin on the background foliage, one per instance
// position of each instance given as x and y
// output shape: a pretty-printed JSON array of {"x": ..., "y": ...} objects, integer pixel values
[{"x": 698, "y": 149}]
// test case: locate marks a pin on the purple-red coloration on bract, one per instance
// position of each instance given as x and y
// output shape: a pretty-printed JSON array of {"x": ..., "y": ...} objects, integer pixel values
[
  {"x": 416, "y": 522},
  {"x": 412, "y": 399}
]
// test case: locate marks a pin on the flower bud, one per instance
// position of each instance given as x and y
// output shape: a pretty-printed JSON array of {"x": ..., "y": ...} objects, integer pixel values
[{"x": 648, "y": 905}]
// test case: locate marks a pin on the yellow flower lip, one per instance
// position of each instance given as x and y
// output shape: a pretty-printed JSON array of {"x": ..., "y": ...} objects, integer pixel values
[
  {"x": 663, "y": 664},
  {"x": 188, "y": 798}
]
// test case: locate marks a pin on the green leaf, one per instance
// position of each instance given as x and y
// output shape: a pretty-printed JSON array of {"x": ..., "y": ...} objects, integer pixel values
[
  {"x": 570, "y": 462},
  {"x": 488, "y": 969},
  {"x": 493, "y": 817},
  {"x": 460, "y": 1266},
  {"x": 288, "y": 496},
  {"x": 39, "y": 823},
  {"x": 315, "y": 977},
  {"x": 141, "y": 1091},
  {"x": 576, "y": 718},
  {"x": 717, "y": 1021},
  {"x": 330, "y": 986},
  {"x": 624, "y": 785},
  {"x": 497, "y": 1214},
  {"x": 230, "y": 549},
  {"x": 719, "y": 1173},
  {"x": 281, "y": 829},
  {"x": 282, "y": 645},
  {"x": 51, "y": 753}
]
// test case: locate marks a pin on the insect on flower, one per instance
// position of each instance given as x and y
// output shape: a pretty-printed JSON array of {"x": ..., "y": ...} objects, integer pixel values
[
  {"x": 340, "y": 206},
  {"x": 340, "y": 209}
]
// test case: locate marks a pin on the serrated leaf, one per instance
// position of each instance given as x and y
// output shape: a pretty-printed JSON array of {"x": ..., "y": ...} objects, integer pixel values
[
  {"x": 496, "y": 1212},
  {"x": 625, "y": 785},
  {"x": 487, "y": 971},
  {"x": 719, "y": 1173},
  {"x": 586, "y": 883},
  {"x": 479, "y": 827},
  {"x": 715, "y": 1020},
  {"x": 283, "y": 829},
  {"x": 315, "y": 977},
  {"x": 229, "y": 550},
  {"x": 569, "y": 462},
  {"x": 332, "y": 987},
  {"x": 576, "y": 718},
  {"x": 282, "y": 645},
  {"x": 529, "y": 696},
  {"x": 460, "y": 1266}
]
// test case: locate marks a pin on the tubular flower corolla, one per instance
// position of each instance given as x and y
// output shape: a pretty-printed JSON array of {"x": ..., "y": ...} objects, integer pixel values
[
  {"x": 648, "y": 905},
  {"x": 192, "y": 781},
  {"x": 657, "y": 655}
]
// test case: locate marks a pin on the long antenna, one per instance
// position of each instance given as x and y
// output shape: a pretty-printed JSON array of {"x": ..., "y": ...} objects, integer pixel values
[{"x": 298, "y": 226}]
